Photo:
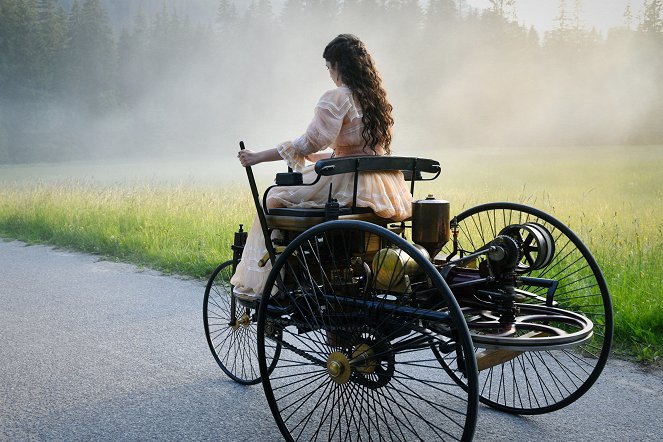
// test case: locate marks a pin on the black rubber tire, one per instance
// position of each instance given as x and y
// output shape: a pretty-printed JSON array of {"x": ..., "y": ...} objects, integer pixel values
[
  {"x": 356, "y": 364},
  {"x": 233, "y": 348},
  {"x": 537, "y": 382}
]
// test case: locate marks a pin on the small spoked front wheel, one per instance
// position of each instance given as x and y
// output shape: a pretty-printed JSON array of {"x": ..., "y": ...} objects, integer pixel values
[
  {"x": 230, "y": 329},
  {"x": 361, "y": 315}
]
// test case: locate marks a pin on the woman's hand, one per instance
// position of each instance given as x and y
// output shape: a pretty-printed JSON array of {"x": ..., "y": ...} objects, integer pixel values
[{"x": 248, "y": 157}]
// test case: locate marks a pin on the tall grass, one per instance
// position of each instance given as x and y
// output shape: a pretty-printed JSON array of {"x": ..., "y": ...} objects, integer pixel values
[
  {"x": 610, "y": 197},
  {"x": 178, "y": 229}
]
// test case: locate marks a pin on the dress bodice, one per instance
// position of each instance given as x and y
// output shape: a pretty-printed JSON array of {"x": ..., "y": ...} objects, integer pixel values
[{"x": 337, "y": 124}]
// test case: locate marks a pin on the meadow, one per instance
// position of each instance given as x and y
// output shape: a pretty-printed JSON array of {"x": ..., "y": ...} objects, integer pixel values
[{"x": 179, "y": 216}]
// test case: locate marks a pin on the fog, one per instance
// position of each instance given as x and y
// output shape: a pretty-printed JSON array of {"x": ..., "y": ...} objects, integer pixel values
[{"x": 172, "y": 84}]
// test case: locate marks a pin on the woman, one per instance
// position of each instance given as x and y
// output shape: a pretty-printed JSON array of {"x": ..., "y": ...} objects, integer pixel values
[{"x": 353, "y": 119}]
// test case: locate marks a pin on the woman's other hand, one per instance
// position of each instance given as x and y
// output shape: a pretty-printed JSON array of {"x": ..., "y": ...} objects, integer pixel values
[{"x": 248, "y": 157}]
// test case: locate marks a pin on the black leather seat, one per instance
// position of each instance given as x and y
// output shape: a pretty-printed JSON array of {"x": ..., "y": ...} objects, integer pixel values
[
  {"x": 315, "y": 212},
  {"x": 289, "y": 218}
]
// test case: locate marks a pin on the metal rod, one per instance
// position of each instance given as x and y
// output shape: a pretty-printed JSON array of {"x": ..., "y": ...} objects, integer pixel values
[
  {"x": 413, "y": 177},
  {"x": 355, "y": 184},
  {"x": 259, "y": 210},
  {"x": 427, "y": 314},
  {"x": 482, "y": 251}
]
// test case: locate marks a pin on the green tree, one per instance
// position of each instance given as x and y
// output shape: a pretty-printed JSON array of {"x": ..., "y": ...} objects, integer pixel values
[
  {"x": 19, "y": 49},
  {"x": 504, "y": 8},
  {"x": 561, "y": 33},
  {"x": 92, "y": 55},
  {"x": 533, "y": 39},
  {"x": 51, "y": 40},
  {"x": 407, "y": 14},
  {"x": 131, "y": 68},
  {"x": 440, "y": 15},
  {"x": 226, "y": 16},
  {"x": 260, "y": 12},
  {"x": 72, "y": 70},
  {"x": 293, "y": 13},
  {"x": 570, "y": 38},
  {"x": 363, "y": 16},
  {"x": 652, "y": 20}
]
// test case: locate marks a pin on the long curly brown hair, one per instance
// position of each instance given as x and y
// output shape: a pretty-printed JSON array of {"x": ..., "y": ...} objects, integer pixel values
[{"x": 348, "y": 55}]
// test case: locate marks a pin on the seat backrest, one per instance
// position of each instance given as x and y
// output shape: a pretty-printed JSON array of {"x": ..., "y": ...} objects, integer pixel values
[
  {"x": 335, "y": 166},
  {"x": 412, "y": 167}
]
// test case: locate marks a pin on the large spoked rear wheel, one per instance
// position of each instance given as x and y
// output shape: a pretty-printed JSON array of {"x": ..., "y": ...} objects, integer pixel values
[
  {"x": 360, "y": 314},
  {"x": 232, "y": 338},
  {"x": 541, "y": 381}
]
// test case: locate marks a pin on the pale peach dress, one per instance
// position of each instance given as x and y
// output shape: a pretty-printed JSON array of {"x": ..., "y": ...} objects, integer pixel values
[{"x": 337, "y": 125}]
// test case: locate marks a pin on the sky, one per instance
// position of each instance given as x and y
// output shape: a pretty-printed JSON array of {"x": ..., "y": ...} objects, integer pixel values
[{"x": 602, "y": 14}]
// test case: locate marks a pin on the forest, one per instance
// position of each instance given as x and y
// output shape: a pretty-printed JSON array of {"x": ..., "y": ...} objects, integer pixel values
[{"x": 82, "y": 79}]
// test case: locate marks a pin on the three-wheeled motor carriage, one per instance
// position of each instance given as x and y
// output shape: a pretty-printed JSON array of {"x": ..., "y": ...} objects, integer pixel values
[{"x": 370, "y": 329}]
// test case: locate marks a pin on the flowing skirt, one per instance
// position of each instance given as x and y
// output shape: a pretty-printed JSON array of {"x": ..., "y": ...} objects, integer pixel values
[{"x": 386, "y": 193}]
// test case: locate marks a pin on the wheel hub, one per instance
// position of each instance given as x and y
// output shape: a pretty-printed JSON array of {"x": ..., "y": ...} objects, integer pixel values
[
  {"x": 363, "y": 359},
  {"x": 242, "y": 321},
  {"x": 338, "y": 367},
  {"x": 373, "y": 361}
]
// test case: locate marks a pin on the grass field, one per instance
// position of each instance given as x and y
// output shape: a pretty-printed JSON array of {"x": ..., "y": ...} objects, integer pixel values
[{"x": 180, "y": 217}]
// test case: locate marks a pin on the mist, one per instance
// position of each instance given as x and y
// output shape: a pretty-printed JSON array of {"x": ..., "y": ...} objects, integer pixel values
[{"x": 166, "y": 83}]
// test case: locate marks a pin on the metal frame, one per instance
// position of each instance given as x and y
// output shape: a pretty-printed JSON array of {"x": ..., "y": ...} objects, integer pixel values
[
  {"x": 503, "y": 322},
  {"x": 412, "y": 167}
]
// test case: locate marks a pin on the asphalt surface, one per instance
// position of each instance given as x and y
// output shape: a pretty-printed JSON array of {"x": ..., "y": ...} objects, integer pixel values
[{"x": 97, "y": 350}]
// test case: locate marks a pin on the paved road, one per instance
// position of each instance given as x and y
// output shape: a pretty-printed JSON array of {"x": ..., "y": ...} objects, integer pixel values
[{"x": 95, "y": 350}]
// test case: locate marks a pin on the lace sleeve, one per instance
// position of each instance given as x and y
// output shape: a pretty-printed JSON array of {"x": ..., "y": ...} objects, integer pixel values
[
  {"x": 291, "y": 156},
  {"x": 321, "y": 132}
]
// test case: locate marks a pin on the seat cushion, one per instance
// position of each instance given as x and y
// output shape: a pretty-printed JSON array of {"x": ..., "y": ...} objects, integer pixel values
[
  {"x": 315, "y": 212},
  {"x": 300, "y": 223}
]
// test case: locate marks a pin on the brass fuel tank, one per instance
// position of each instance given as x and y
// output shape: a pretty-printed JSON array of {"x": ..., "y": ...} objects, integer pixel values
[
  {"x": 430, "y": 224},
  {"x": 391, "y": 265}
]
